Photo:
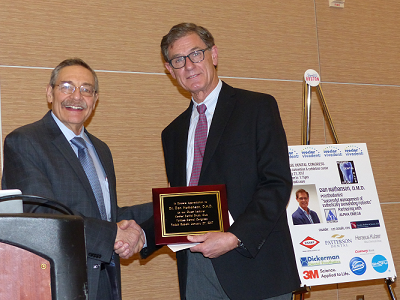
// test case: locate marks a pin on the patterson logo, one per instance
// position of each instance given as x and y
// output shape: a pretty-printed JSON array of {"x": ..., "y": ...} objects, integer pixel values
[{"x": 309, "y": 242}]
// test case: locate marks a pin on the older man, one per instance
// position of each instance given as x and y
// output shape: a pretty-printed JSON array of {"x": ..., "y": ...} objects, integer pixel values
[
  {"x": 56, "y": 157},
  {"x": 246, "y": 150}
]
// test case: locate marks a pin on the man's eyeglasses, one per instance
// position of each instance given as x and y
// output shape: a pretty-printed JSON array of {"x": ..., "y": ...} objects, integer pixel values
[
  {"x": 195, "y": 57},
  {"x": 69, "y": 88}
]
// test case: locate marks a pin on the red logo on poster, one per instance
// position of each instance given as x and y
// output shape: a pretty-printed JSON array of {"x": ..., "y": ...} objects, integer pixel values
[{"x": 309, "y": 242}]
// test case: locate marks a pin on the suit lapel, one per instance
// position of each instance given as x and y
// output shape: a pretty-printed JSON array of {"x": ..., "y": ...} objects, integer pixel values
[
  {"x": 60, "y": 142},
  {"x": 223, "y": 110}
]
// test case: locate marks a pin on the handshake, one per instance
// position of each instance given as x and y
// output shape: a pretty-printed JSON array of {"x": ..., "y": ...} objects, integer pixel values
[{"x": 129, "y": 240}]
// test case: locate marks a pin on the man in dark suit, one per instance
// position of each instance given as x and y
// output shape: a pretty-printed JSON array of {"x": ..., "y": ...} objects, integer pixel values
[
  {"x": 246, "y": 150},
  {"x": 304, "y": 215},
  {"x": 41, "y": 159}
]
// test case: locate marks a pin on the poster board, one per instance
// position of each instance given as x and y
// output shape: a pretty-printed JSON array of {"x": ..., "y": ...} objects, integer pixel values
[{"x": 350, "y": 242}]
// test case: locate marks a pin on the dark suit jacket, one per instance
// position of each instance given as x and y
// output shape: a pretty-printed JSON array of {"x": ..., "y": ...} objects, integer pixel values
[
  {"x": 300, "y": 218},
  {"x": 39, "y": 161},
  {"x": 246, "y": 150}
]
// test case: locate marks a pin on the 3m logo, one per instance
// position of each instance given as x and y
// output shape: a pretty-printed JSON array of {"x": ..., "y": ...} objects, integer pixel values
[
  {"x": 309, "y": 242},
  {"x": 310, "y": 274}
]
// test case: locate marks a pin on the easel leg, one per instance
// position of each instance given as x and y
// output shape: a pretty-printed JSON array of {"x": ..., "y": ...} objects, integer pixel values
[{"x": 389, "y": 282}]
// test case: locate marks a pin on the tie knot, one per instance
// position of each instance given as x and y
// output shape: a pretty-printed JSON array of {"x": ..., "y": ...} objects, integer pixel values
[
  {"x": 79, "y": 143},
  {"x": 201, "y": 108}
]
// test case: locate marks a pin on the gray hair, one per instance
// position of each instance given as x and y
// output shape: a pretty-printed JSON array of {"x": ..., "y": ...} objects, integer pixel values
[
  {"x": 73, "y": 62},
  {"x": 184, "y": 29}
]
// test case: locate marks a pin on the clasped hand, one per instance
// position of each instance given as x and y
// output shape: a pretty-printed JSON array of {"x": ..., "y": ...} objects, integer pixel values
[
  {"x": 213, "y": 244},
  {"x": 129, "y": 240}
]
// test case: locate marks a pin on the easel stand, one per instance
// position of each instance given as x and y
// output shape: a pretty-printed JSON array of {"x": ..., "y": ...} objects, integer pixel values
[
  {"x": 389, "y": 282},
  {"x": 306, "y": 120},
  {"x": 305, "y": 139},
  {"x": 301, "y": 291}
]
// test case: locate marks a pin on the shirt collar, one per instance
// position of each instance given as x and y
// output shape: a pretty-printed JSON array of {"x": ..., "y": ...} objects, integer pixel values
[
  {"x": 211, "y": 99},
  {"x": 68, "y": 133}
]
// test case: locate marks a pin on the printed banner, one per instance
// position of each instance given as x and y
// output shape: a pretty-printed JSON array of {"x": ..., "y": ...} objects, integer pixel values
[{"x": 342, "y": 238}]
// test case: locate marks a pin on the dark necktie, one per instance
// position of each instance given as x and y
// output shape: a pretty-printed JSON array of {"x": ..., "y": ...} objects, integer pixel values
[
  {"x": 90, "y": 170},
  {"x": 200, "y": 139}
]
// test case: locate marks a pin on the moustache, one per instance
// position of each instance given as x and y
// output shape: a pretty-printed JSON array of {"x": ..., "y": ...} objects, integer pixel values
[{"x": 74, "y": 103}]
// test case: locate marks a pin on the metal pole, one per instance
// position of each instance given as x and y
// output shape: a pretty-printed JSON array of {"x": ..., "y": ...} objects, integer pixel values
[
  {"x": 389, "y": 282},
  {"x": 306, "y": 120},
  {"x": 326, "y": 113}
]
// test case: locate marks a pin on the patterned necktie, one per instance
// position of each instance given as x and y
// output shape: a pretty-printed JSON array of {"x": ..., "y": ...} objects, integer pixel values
[
  {"x": 90, "y": 170},
  {"x": 200, "y": 139}
]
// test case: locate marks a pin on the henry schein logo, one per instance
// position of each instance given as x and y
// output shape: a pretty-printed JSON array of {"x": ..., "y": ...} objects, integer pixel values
[{"x": 309, "y": 242}]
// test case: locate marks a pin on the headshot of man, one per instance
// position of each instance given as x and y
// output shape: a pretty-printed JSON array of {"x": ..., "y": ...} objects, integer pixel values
[
  {"x": 304, "y": 215},
  {"x": 57, "y": 158},
  {"x": 234, "y": 137}
]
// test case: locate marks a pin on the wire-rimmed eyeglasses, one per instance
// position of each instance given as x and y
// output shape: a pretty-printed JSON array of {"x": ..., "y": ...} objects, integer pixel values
[{"x": 69, "y": 88}]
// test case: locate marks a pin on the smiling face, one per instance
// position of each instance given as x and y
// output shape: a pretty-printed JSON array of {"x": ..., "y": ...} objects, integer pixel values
[
  {"x": 201, "y": 78},
  {"x": 303, "y": 200},
  {"x": 72, "y": 109}
]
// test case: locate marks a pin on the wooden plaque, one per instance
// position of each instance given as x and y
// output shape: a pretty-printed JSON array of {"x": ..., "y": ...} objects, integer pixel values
[{"x": 183, "y": 211}]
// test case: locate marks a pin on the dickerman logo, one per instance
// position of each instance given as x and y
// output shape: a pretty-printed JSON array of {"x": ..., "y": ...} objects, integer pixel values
[
  {"x": 310, "y": 152},
  {"x": 353, "y": 151},
  {"x": 312, "y": 261},
  {"x": 332, "y": 151},
  {"x": 309, "y": 242}
]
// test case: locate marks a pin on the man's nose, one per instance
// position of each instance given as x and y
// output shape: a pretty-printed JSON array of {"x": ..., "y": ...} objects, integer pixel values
[
  {"x": 77, "y": 93},
  {"x": 189, "y": 64}
]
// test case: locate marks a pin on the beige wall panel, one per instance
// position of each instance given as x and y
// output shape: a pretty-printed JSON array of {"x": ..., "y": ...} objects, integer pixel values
[
  {"x": 368, "y": 114},
  {"x": 23, "y": 96},
  {"x": 371, "y": 289},
  {"x": 326, "y": 292},
  {"x": 360, "y": 42},
  {"x": 260, "y": 39}
]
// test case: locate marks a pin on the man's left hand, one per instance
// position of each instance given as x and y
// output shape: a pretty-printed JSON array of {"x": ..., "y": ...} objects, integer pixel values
[{"x": 213, "y": 244}]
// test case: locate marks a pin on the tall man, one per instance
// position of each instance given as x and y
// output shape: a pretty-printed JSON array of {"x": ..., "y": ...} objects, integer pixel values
[
  {"x": 56, "y": 157},
  {"x": 304, "y": 215},
  {"x": 246, "y": 149}
]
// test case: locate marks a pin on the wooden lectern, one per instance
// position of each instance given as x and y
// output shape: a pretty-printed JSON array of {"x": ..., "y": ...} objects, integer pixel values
[{"x": 42, "y": 257}]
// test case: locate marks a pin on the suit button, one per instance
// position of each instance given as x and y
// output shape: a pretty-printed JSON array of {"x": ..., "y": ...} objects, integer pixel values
[{"x": 96, "y": 266}]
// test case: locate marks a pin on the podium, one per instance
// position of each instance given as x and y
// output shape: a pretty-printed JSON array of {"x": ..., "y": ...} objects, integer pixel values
[{"x": 42, "y": 257}]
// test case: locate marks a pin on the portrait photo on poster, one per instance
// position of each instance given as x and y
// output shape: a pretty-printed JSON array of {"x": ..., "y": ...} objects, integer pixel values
[{"x": 304, "y": 205}]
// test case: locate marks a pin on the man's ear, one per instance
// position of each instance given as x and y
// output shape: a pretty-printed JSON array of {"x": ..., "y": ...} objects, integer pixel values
[
  {"x": 49, "y": 94},
  {"x": 170, "y": 69},
  {"x": 214, "y": 55},
  {"x": 96, "y": 97}
]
